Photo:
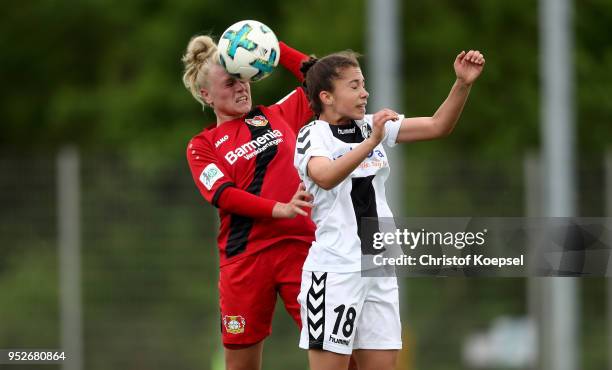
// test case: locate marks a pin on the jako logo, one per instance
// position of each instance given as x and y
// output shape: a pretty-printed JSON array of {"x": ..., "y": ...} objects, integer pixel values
[
  {"x": 252, "y": 148},
  {"x": 221, "y": 141}
]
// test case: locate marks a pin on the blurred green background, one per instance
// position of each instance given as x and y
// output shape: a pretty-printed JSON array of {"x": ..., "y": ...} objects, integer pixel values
[{"x": 105, "y": 77}]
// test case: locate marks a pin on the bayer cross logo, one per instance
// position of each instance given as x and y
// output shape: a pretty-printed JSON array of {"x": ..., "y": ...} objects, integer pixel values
[{"x": 234, "y": 324}]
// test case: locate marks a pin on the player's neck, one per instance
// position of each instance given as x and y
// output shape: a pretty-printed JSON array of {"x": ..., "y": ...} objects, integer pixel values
[
  {"x": 334, "y": 118},
  {"x": 222, "y": 118}
]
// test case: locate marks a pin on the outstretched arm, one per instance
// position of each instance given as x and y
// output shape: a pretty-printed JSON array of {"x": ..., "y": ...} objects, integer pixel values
[
  {"x": 294, "y": 107},
  {"x": 468, "y": 67},
  {"x": 292, "y": 59}
]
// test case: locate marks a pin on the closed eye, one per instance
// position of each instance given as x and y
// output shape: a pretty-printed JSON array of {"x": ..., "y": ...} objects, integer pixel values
[{"x": 355, "y": 84}]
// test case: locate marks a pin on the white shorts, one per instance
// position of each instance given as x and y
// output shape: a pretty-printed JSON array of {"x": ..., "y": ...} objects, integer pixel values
[{"x": 343, "y": 311}]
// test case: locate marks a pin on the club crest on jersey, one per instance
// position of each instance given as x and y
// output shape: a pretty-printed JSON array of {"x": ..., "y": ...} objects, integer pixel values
[
  {"x": 257, "y": 121},
  {"x": 366, "y": 131},
  {"x": 234, "y": 324}
]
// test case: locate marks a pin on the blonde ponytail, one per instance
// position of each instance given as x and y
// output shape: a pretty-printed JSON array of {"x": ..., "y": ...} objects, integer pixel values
[{"x": 200, "y": 55}]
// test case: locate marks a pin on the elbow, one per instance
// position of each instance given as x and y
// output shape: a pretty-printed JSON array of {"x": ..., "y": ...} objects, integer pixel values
[
  {"x": 445, "y": 132},
  {"x": 442, "y": 129},
  {"x": 323, "y": 174},
  {"x": 327, "y": 186},
  {"x": 324, "y": 183}
]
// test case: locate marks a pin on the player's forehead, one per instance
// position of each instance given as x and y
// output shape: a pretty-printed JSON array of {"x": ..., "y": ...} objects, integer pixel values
[
  {"x": 351, "y": 75},
  {"x": 218, "y": 75}
]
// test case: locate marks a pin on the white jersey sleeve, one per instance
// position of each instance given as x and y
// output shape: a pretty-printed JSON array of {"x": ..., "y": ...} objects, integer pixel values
[
  {"x": 311, "y": 142},
  {"x": 391, "y": 130}
]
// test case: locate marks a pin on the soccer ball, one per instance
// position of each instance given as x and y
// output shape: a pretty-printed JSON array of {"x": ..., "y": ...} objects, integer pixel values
[{"x": 248, "y": 50}]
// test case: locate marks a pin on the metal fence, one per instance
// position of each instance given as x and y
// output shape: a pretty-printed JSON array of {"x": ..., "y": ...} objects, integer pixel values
[{"x": 149, "y": 265}]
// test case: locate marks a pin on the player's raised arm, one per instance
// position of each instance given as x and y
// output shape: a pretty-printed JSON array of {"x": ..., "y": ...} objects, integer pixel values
[
  {"x": 468, "y": 67},
  {"x": 292, "y": 60}
]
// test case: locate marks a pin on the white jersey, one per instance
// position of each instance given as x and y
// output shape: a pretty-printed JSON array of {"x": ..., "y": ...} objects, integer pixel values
[{"x": 337, "y": 213}]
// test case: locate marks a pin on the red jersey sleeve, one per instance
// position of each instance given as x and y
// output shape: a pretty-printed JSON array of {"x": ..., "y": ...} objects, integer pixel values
[
  {"x": 238, "y": 201},
  {"x": 217, "y": 186},
  {"x": 294, "y": 107},
  {"x": 210, "y": 176},
  {"x": 292, "y": 60}
]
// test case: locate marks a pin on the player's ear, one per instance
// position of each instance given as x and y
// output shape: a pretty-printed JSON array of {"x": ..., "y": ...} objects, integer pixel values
[
  {"x": 326, "y": 97},
  {"x": 205, "y": 94}
]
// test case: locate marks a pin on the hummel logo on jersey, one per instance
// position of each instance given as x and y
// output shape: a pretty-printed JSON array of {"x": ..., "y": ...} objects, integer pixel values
[
  {"x": 346, "y": 131},
  {"x": 221, "y": 141},
  {"x": 315, "y": 302},
  {"x": 252, "y": 148},
  {"x": 333, "y": 339},
  {"x": 303, "y": 136},
  {"x": 257, "y": 121}
]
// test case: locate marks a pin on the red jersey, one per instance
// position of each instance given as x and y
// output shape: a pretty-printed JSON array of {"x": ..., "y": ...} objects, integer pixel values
[{"x": 253, "y": 153}]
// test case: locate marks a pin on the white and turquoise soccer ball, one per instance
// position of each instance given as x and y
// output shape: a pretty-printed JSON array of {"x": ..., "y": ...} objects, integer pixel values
[{"x": 249, "y": 50}]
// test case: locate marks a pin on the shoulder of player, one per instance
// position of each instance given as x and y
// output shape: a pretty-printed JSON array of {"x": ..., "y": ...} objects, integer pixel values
[
  {"x": 203, "y": 142},
  {"x": 314, "y": 126},
  {"x": 201, "y": 139},
  {"x": 298, "y": 92},
  {"x": 315, "y": 130},
  {"x": 271, "y": 113},
  {"x": 196, "y": 147}
]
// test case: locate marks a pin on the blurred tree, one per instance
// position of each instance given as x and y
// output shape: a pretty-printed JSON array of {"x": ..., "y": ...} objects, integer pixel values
[{"x": 105, "y": 74}]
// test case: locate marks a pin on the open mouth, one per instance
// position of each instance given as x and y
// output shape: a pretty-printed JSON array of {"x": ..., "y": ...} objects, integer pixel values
[{"x": 242, "y": 99}]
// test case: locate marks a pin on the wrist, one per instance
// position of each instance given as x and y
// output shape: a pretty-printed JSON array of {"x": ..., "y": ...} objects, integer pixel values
[
  {"x": 372, "y": 142},
  {"x": 460, "y": 82},
  {"x": 277, "y": 210}
]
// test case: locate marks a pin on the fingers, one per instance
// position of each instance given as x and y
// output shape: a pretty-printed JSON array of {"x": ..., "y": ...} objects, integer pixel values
[
  {"x": 301, "y": 199},
  {"x": 390, "y": 112},
  {"x": 302, "y": 194},
  {"x": 385, "y": 115},
  {"x": 298, "y": 210},
  {"x": 472, "y": 56},
  {"x": 301, "y": 203},
  {"x": 389, "y": 116},
  {"x": 460, "y": 56}
]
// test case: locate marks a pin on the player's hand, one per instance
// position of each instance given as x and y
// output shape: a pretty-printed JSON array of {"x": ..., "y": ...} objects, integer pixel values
[
  {"x": 468, "y": 66},
  {"x": 378, "y": 123},
  {"x": 301, "y": 199}
]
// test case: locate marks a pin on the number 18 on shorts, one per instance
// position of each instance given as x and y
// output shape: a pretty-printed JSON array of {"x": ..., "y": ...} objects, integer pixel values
[{"x": 344, "y": 311}]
